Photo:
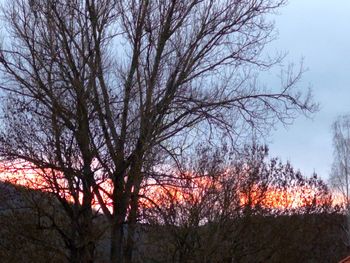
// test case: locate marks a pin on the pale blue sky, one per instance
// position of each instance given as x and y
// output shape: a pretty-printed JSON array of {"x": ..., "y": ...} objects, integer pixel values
[{"x": 318, "y": 31}]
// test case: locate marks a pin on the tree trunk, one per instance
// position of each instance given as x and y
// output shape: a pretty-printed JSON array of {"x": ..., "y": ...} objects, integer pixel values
[
  {"x": 83, "y": 254},
  {"x": 117, "y": 238},
  {"x": 87, "y": 244},
  {"x": 82, "y": 248},
  {"x": 132, "y": 223},
  {"x": 130, "y": 242}
]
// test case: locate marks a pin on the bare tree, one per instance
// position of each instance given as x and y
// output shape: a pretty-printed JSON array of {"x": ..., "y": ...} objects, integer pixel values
[
  {"x": 47, "y": 116},
  {"x": 218, "y": 210},
  {"x": 341, "y": 164},
  {"x": 97, "y": 89},
  {"x": 340, "y": 174}
]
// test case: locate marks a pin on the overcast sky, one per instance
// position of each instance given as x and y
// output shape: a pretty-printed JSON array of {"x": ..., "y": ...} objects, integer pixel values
[{"x": 319, "y": 32}]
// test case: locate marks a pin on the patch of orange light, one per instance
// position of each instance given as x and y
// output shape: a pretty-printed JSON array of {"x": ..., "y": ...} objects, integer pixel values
[
  {"x": 284, "y": 199},
  {"x": 190, "y": 189},
  {"x": 25, "y": 174},
  {"x": 198, "y": 187},
  {"x": 187, "y": 189}
]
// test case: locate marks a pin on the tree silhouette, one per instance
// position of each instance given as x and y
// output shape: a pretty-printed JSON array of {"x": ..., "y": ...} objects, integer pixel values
[{"x": 100, "y": 90}]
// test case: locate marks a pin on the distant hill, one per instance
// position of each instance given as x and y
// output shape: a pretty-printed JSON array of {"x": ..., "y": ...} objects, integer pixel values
[
  {"x": 26, "y": 236},
  {"x": 317, "y": 238}
]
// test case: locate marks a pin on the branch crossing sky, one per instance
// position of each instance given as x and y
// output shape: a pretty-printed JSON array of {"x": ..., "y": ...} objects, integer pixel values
[{"x": 319, "y": 32}]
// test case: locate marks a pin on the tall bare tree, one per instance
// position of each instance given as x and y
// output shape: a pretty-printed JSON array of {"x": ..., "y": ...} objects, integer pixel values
[
  {"x": 48, "y": 117},
  {"x": 98, "y": 89},
  {"x": 340, "y": 173}
]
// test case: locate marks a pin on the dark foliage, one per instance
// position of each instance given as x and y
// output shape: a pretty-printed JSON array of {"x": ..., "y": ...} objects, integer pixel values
[{"x": 286, "y": 238}]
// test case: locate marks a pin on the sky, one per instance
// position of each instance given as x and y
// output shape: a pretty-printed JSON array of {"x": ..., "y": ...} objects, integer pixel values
[{"x": 317, "y": 31}]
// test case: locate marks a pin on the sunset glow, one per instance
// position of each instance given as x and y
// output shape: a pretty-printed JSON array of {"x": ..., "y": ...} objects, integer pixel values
[
  {"x": 194, "y": 190},
  {"x": 200, "y": 188},
  {"x": 48, "y": 180}
]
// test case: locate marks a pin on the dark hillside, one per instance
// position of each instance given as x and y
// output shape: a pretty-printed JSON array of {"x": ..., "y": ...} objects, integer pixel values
[
  {"x": 289, "y": 239},
  {"x": 27, "y": 236}
]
